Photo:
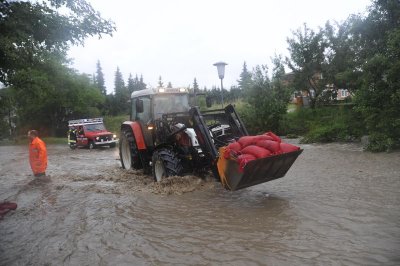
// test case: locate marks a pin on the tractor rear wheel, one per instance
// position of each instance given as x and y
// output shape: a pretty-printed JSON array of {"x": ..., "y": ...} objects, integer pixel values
[
  {"x": 128, "y": 152},
  {"x": 165, "y": 163}
]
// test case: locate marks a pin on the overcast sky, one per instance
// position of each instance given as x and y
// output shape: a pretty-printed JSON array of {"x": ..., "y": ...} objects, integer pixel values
[{"x": 180, "y": 40}]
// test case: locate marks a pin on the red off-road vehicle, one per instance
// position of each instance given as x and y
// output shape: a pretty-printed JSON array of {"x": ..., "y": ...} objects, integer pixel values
[{"x": 90, "y": 133}]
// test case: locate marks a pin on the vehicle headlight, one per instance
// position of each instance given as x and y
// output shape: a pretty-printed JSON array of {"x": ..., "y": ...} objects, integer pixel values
[
  {"x": 97, "y": 138},
  {"x": 114, "y": 136}
]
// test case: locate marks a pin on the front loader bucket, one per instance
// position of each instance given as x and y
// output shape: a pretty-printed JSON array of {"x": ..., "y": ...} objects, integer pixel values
[{"x": 256, "y": 171}]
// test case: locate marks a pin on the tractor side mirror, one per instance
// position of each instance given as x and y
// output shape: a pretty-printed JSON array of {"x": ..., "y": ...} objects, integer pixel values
[
  {"x": 208, "y": 101},
  {"x": 139, "y": 106}
]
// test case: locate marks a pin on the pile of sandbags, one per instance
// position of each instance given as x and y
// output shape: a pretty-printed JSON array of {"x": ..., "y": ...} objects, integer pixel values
[{"x": 250, "y": 148}]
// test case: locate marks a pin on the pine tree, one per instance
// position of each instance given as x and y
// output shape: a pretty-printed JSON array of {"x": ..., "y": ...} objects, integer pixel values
[
  {"x": 122, "y": 95},
  {"x": 195, "y": 86},
  {"x": 160, "y": 83},
  {"x": 245, "y": 78},
  {"x": 131, "y": 83},
  {"x": 99, "y": 79},
  {"x": 169, "y": 85},
  {"x": 119, "y": 83},
  {"x": 142, "y": 85}
]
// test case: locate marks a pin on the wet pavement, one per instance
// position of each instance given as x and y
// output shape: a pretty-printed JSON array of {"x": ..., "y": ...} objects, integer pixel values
[{"x": 337, "y": 205}]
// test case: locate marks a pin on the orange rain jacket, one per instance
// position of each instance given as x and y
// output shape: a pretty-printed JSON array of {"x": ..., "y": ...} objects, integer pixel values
[{"x": 38, "y": 156}]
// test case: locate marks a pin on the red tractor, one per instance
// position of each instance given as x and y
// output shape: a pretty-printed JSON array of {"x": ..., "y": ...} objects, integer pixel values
[{"x": 167, "y": 137}]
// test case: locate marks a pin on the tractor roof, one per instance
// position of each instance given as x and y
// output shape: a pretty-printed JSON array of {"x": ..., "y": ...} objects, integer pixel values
[{"x": 159, "y": 90}]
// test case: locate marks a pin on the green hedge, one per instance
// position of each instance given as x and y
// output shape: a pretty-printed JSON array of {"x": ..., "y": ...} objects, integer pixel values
[
  {"x": 323, "y": 124},
  {"x": 113, "y": 123}
]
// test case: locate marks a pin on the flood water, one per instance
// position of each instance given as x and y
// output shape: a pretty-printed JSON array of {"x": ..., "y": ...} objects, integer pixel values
[{"x": 337, "y": 205}]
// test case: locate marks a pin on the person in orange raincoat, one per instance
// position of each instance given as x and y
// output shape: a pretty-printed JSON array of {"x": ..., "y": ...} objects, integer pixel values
[{"x": 37, "y": 154}]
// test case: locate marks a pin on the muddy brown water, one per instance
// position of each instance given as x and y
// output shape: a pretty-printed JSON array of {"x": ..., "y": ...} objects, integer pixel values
[{"x": 337, "y": 205}]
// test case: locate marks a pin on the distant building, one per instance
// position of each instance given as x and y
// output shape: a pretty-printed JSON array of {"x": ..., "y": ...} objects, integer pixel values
[
  {"x": 343, "y": 94},
  {"x": 302, "y": 97}
]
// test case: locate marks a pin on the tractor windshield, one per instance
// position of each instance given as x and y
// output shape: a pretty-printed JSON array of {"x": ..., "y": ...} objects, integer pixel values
[{"x": 170, "y": 103}]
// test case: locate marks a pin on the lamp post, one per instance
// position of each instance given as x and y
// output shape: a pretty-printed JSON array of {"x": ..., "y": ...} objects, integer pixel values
[{"x": 221, "y": 73}]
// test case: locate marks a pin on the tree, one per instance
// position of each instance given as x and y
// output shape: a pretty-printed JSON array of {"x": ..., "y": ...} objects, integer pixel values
[
  {"x": 361, "y": 55},
  {"x": 160, "y": 83},
  {"x": 236, "y": 93},
  {"x": 7, "y": 113},
  {"x": 195, "y": 86},
  {"x": 131, "y": 84},
  {"x": 119, "y": 84},
  {"x": 195, "y": 100},
  {"x": 169, "y": 85},
  {"x": 34, "y": 39},
  {"x": 120, "y": 103},
  {"x": 378, "y": 97},
  {"x": 266, "y": 100},
  {"x": 99, "y": 79},
  {"x": 141, "y": 84},
  {"x": 48, "y": 97},
  {"x": 35, "y": 32},
  {"x": 307, "y": 61},
  {"x": 245, "y": 81},
  {"x": 343, "y": 64}
]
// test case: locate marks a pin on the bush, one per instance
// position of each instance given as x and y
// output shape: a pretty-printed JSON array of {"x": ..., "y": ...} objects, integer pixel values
[
  {"x": 113, "y": 123},
  {"x": 296, "y": 122},
  {"x": 327, "y": 133},
  {"x": 381, "y": 142},
  {"x": 323, "y": 124}
]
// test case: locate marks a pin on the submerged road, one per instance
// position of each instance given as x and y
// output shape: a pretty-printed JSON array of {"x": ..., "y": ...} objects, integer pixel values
[{"x": 337, "y": 205}]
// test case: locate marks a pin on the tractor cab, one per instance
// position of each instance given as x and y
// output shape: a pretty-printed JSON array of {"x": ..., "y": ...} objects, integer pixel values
[
  {"x": 156, "y": 117},
  {"x": 151, "y": 104}
]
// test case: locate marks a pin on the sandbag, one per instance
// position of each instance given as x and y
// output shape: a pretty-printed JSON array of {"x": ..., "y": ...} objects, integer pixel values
[
  {"x": 250, "y": 148},
  {"x": 8, "y": 205},
  {"x": 243, "y": 159},
  {"x": 5, "y": 207},
  {"x": 235, "y": 146},
  {"x": 247, "y": 140},
  {"x": 256, "y": 151},
  {"x": 275, "y": 137},
  {"x": 286, "y": 147},
  {"x": 272, "y": 146},
  {"x": 264, "y": 137}
]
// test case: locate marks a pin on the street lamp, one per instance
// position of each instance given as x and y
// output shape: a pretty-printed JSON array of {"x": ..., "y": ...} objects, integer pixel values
[{"x": 221, "y": 72}]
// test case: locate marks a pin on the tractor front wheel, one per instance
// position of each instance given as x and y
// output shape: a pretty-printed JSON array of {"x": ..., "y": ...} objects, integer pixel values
[
  {"x": 165, "y": 164},
  {"x": 128, "y": 152}
]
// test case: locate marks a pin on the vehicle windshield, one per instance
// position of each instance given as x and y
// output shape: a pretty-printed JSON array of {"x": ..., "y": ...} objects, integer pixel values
[
  {"x": 94, "y": 127},
  {"x": 170, "y": 103}
]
